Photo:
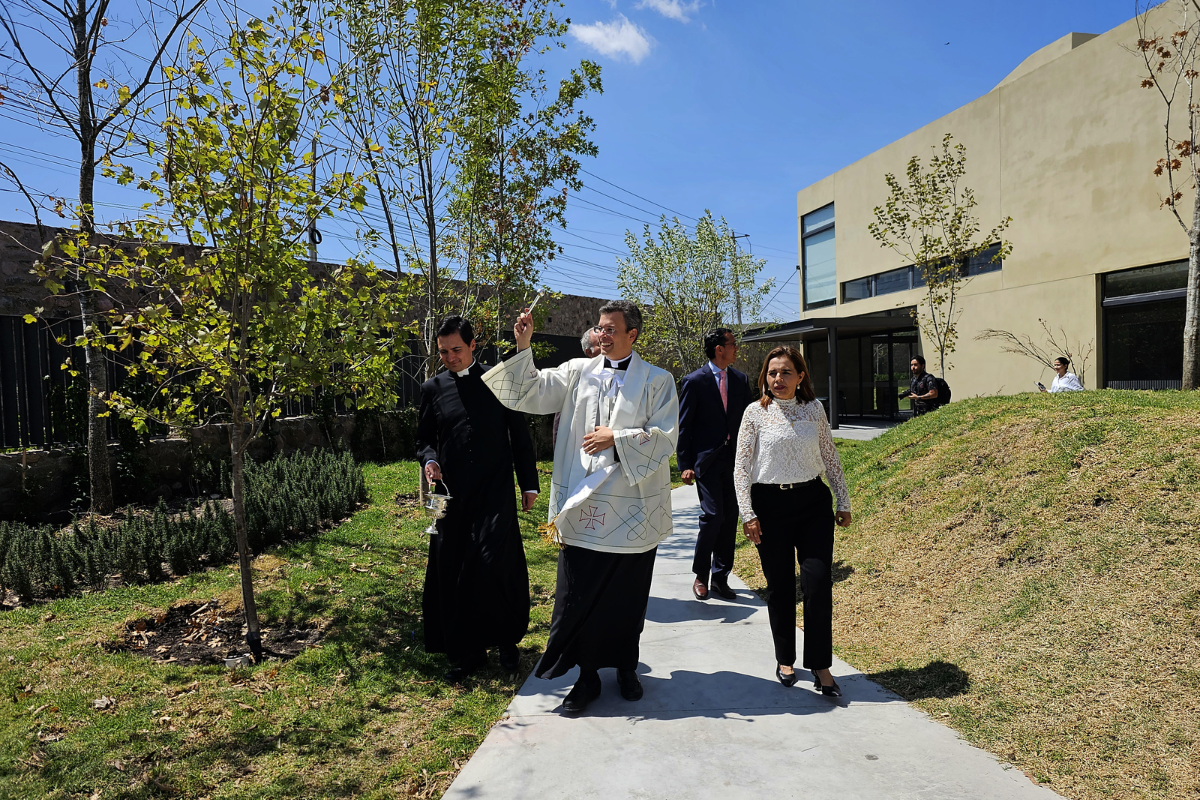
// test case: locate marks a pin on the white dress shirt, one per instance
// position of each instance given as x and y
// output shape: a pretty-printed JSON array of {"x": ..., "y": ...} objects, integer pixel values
[{"x": 1067, "y": 383}]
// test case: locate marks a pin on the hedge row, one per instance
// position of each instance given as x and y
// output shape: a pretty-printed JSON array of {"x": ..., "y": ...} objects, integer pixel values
[{"x": 286, "y": 497}]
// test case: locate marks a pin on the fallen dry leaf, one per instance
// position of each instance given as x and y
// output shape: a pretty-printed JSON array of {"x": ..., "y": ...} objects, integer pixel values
[{"x": 104, "y": 702}]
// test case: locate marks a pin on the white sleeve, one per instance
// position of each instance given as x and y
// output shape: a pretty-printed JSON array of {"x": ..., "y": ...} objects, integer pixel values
[
  {"x": 829, "y": 456},
  {"x": 644, "y": 450},
  {"x": 743, "y": 460},
  {"x": 521, "y": 386}
]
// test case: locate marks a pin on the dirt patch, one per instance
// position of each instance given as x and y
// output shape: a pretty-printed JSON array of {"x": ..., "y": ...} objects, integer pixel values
[
  {"x": 194, "y": 633},
  {"x": 408, "y": 499}
]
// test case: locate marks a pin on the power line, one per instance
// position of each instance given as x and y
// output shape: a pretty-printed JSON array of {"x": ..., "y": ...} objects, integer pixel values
[{"x": 638, "y": 196}]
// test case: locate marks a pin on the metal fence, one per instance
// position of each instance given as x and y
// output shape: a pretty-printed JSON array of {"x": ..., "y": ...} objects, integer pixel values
[
  {"x": 1154, "y": 385},
  {"x": 43, "y": 405}
]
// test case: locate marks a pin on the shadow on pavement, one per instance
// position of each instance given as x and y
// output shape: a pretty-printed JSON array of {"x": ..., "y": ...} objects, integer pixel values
[
  {"x": 670, "y": 610},
  {"x": 700, "y": 694}
]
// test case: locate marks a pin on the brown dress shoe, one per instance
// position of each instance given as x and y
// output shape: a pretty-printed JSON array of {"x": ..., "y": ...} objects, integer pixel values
[{"x": 700, "y": 589}]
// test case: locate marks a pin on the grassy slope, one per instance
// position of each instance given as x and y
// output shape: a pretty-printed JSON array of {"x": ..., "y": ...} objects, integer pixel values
[
  {"x": 1025, "y": 569},
  {"x": 365, "y": 715}
]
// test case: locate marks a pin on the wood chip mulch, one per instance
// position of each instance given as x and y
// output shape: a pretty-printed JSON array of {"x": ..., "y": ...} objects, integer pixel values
[{"x": 194, "y": 634}]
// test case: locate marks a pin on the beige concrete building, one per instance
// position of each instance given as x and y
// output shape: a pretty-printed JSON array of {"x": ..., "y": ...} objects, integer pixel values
[{"x": 1065, "y": 145}]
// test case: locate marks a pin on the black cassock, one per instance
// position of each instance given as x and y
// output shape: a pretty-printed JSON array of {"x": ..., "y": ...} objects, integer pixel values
[{"x": 476, "y": 584}]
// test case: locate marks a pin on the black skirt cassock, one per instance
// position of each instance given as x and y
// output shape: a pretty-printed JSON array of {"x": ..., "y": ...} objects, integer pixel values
[
  {"x": 476, "y": 583},
  {"x": 599, "y": 610}
]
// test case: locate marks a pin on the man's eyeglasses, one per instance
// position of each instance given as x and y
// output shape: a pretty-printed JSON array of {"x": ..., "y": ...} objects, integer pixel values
[{"x": 609, "y": 332}]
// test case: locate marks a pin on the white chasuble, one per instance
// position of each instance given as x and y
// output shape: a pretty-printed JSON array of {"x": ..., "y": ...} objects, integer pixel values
[{"x": 602, "y": 502}]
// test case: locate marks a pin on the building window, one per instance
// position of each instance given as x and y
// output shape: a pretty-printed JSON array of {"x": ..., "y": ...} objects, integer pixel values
[
  {"x": 977, "y": 265},
  {"x": 819, "y": 262},
  {"x": 905, "y": 278},
  {"x": 897, "y": 280},
  {"x": 1143, "y": 326},
  {"x": 1146, "y": 280},
  {"x": 856, "y": 290}
]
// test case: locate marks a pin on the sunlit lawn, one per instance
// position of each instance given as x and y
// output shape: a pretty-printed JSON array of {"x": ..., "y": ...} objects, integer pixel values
[{"x": 365, "y": 714}]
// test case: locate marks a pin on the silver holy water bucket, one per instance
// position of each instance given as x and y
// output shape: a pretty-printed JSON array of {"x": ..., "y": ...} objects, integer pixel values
[{"x": 435, "y": 508}]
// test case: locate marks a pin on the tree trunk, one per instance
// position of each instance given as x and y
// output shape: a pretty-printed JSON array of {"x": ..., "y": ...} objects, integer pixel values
[
  {"x": 1191, "y": 325},
  {"x": 99, "y": 475},
  {"x": 237, "y": 434}
]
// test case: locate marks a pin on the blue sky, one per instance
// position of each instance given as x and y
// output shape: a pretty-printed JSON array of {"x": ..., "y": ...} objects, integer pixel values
[
  {"x": 736, "y": 106},
  {"x": 729, "y": 106}
]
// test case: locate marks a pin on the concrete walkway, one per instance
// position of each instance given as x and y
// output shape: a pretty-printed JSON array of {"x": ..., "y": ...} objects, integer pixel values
[
  {"x": 716, "y": 723},
  {"x": 864, "y": 430}
]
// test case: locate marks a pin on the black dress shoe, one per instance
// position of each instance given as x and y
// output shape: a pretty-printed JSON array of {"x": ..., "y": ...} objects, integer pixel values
[
  {"x": 585, "y": 690},
  {"x": 631, "y": 685},
  {"x": 720, "y": 587},
  {"x": 699, "y": 589},
  {"x": 461, "y": 670},
  {"x": 829, "y": 691},
  {"x": 786, "y": 680},
  {"x": 510, "y": 657}
]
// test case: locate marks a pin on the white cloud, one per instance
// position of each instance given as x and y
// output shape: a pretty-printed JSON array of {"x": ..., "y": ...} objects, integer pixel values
[
  {"x": 672, "y": 9},
  {"x": 617, "y": 38}
]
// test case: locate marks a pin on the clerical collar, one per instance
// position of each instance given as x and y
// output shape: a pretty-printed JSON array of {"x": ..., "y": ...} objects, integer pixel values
[
  {"x": 608, "y": 364},
  {"x": 467, "y": 371}
]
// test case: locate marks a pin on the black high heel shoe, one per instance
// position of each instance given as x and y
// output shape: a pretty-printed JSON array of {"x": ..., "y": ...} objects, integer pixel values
[
  {"x": 786, "y": 680},
  {"x": 829, "y": 691}
]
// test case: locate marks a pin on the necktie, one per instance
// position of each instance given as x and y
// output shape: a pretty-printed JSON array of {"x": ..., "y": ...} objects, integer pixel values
[{"x": 724, "y": 390}]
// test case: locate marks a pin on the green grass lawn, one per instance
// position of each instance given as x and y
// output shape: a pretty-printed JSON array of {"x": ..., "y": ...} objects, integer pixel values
[
  {"x": 1025, "y": 570},
  {"x": 365, "y": 714}
]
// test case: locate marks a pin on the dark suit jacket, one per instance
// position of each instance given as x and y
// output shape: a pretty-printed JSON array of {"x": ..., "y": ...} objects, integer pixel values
[{"x": 703, "y": 421}]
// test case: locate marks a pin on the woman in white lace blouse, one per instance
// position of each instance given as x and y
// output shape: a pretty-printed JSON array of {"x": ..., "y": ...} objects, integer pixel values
[{"x": 784, "y": 446}]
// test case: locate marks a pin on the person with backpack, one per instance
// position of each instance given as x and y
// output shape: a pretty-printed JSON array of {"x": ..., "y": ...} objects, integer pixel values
[{"x": 927, "y": 392}]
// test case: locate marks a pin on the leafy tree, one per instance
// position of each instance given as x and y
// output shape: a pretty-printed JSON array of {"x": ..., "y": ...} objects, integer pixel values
[
  {"x": 1172, "y": 69},
  {"x": 693, "y": 283},
  {"x": 930, "y": 223},
  {"x": 522, "y": 139},
  {"x": 239, "y": 321},
  {"x": 471, "y": 157},
  {"x": 101, "y": 110},
  {"x": 411, "y": 63}
]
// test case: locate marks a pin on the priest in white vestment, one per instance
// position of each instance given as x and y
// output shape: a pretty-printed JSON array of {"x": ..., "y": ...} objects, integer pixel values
[{"x": 610, "y": 502}]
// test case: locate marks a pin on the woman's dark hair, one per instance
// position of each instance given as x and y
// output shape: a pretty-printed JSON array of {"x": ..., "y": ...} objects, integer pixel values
[
  {"x": 714, "y": 339},
  {"x": 457, "y": 324},
  {"x": 804, "y": 391},
  {"x": 920, "y": 359},
  {"x": 1066, "y": 362}
]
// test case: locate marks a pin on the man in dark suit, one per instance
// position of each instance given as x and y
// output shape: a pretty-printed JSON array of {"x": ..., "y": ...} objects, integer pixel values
[
  {"x": 711, "y": 403},
  {"x": 476, "y": 581}
]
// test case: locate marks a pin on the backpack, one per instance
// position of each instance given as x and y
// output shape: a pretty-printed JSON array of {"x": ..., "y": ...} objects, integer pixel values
[{"x": 943, "y": 391}]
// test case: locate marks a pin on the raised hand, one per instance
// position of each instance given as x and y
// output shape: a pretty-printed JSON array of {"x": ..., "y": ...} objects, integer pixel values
[{"x": 523, "y": 330}]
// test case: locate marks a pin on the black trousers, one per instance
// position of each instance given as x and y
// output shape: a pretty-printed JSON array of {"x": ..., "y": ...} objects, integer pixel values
[
  {"x": 797, "y": 527},
  {"x": 718, "y": 519}
]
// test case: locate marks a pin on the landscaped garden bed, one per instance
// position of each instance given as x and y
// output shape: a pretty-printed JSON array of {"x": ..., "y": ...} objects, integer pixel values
[{"x": 361, "y": 711}]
